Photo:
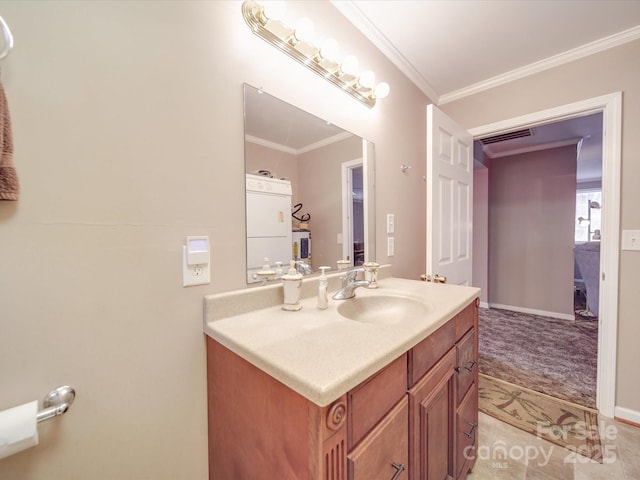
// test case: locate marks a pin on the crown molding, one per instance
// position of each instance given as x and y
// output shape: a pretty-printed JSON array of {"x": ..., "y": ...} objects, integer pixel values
[
  {"x": 587, "y": 49},
  {"x": 362, "y": 23}
]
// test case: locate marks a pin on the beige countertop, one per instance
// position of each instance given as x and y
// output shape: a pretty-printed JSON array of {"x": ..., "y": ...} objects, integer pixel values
[{"x": 319, "y": 353}]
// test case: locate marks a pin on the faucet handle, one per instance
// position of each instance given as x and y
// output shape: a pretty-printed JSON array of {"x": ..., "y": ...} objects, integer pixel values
[{"x": 353, "y": 273}]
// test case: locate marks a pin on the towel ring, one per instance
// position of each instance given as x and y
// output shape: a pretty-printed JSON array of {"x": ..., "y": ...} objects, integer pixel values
[{"x": 8, "y": 39}]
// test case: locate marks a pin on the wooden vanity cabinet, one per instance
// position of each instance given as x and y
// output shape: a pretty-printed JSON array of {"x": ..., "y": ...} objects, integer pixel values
[
  {"x": 384, "y": 453},
  {"x": 432, "y": 413},
  {"x": 466, "y": 389},
  {"x": 377, "y": 425},
  {"x": 443, "y": 413},
  {"x": 260, "y": 429},
  {"x": 415, "y": 419},
  {"x": 466, "y": 436}
]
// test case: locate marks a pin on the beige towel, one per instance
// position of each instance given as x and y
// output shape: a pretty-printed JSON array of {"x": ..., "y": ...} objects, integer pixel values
[{"x": 9, "y": 185}]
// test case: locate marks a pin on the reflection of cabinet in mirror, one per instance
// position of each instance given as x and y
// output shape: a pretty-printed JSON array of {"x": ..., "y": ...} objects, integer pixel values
[{"x": 268, "y": 222}]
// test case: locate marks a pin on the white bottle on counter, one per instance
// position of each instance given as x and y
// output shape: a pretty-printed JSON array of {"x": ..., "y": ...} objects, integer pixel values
[
  {"x": 323, "y": 298},
  {"x": 292, "y": 285}
]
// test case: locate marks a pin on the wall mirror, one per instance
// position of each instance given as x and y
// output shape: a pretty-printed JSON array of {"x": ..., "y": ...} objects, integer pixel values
[{"x": 309, "y": 190}]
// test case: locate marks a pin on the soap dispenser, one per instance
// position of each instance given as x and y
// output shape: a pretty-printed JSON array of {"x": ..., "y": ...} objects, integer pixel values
[
  {"x": 323, "y": 299},
  {"x": 292, "y": 284}
]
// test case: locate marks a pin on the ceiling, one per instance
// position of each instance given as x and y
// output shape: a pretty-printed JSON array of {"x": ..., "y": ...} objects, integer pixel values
[
  {"x": 271, "y": 122},
  {"x": 451, "y": 48},
  {"x": 584, "y": 131}
]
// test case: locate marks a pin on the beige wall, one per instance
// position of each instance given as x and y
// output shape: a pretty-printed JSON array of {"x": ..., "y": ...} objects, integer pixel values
[
  {"x": 280, "y": 164},
  {"x": 532, "y": 198},
  {"x": 610, "y": 71},
  {"x": 128, "y": 135}
]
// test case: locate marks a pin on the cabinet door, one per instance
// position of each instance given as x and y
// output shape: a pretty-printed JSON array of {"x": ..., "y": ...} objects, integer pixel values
[
  {"x": 467, "y": 424},
  {"x": 467, "y": 363},
  {"x": 384, "y": 453},
  {"x": 431, "y": 416}
]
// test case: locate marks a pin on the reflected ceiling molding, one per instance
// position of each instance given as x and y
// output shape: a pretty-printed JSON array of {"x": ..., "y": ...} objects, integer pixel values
[
  {"x": 269, "y": 144},
  {"x": 296, "y": 43},
  {"x": 299, "y": 151}
]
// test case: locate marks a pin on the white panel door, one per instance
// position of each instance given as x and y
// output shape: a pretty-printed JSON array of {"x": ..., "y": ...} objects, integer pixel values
[{"x": 449, "y": 198}]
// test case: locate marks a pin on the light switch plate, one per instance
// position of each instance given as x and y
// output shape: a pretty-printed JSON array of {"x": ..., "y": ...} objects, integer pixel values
[
  {"x": 631, "y": 240},
  {"x": 391, "y": 223},
  {"x": 391, "y": 247}
]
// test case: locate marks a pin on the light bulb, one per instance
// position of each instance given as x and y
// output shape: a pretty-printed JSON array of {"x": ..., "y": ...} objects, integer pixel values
[
  {"x": 382, "y": 90},
  {"x": 367, "y": 79},
  {"x": 330, "y": 49},
  {"x": 349, "y": 65},
  {"x": 274, "y": 9},
  {"x": 304, "y": 29}
]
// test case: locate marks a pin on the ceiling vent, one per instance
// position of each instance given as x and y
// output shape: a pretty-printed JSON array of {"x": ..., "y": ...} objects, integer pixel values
[{"x": 527, "y": 132}]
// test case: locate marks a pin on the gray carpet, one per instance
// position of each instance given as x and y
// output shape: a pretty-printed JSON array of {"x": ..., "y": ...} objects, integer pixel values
[{"x": 548, "y": 355}]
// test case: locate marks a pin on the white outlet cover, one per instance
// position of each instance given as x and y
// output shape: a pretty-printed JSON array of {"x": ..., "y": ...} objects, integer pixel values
[{"x": 194, "y": 274}]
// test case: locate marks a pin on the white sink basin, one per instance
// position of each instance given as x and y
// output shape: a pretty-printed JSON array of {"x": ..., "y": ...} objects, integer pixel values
[{"x": 383, "y": 309}]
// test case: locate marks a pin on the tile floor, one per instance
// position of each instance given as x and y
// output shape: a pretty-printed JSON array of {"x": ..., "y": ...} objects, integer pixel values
[{"x": 505, "y": 452}]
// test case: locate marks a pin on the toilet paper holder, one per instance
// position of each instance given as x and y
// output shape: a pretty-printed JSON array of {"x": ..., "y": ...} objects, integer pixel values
[{"x": 56, "y": 402}]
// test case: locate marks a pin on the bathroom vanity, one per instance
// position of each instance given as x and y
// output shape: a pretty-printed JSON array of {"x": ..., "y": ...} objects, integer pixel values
[{"x": 383, "y": 388}]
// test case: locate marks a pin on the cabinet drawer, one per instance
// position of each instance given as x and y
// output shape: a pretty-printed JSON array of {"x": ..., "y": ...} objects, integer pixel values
[
  {"x": 385, "y": 451},
  {"x": 467, "y": 432},
  {"x": 373, "y": 398},
  {"x": 466, "y": 363},
  {"x": 464, "y": 320},
  {"x": 425, "y": 354}
]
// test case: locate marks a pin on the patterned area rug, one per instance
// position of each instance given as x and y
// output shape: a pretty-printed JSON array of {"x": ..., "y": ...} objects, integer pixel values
[
  {"x": 548, "y": 355},
  {"x": 568, "y": 425}
]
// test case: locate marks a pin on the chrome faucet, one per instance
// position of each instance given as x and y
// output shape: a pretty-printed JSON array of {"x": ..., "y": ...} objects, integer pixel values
[
  {"x": 350, "y": 283},
  {"x": 303, "y": 268}
]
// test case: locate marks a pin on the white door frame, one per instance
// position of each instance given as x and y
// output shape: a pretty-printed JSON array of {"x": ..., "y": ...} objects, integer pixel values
[
  {"x": 611, "y": 108},
  {"x": 347, "y": 207}
]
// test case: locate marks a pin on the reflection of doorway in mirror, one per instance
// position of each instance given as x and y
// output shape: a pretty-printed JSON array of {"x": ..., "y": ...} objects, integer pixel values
[{"x": 353, "y": 212}]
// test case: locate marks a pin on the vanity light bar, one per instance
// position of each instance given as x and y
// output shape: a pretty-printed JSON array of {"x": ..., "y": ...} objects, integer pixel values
[{"x": 284, "y": 38}]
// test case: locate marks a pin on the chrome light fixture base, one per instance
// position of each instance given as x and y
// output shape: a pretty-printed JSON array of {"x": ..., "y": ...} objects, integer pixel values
[{"x": 282, "y": 37}]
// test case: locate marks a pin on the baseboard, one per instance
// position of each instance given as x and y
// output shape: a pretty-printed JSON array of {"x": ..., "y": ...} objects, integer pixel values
[
  {"x": 627, "y": 415},
  {"x": 532, "y": 311},
  {"x": 484, "y": 305}
]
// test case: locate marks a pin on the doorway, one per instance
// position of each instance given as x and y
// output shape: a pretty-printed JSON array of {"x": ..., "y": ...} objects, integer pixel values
[
  {"x": 353, "y": 247},
  {"x": 610, "y": 106},
  {"x": 539, "y": 211},
  {"x": 537, "y": 322}
]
